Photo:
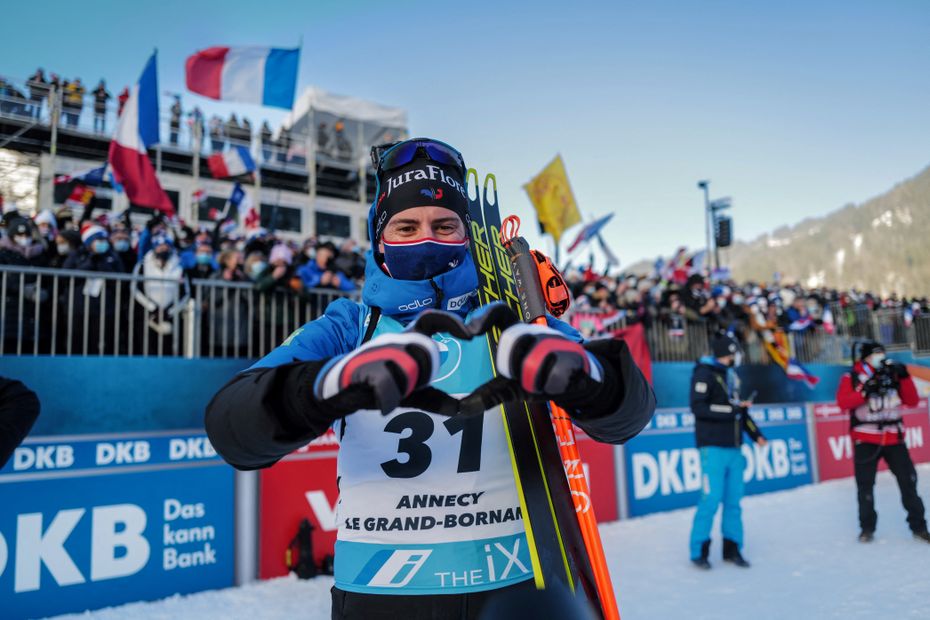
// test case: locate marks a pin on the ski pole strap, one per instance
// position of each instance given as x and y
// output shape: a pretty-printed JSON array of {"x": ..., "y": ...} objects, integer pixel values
[{"x": 540, "y": 286}]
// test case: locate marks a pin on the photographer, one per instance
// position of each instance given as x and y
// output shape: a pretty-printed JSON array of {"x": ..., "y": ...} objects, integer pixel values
[{"x": 873, "y": 393}]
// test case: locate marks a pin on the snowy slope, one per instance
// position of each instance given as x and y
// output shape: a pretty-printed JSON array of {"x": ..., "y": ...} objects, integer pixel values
[{"x": 806, "y": 564}]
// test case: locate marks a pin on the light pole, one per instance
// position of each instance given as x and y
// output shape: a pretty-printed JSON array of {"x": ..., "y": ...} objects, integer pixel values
[{"x": 707, "y": 220}]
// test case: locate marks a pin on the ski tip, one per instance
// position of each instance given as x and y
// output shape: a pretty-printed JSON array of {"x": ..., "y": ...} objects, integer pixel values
[
  {"x": 471, "y": 174},
  {"x": 490, "y": 178}
]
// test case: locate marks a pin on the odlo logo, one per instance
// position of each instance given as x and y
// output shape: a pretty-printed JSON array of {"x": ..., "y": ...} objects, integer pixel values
[
  {"x": 434, "y": 194},
  {"x": 416, "y": 304}
]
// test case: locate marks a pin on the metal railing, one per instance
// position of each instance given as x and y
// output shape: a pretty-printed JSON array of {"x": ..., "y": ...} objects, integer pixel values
[
  {"x": 84, "y": 313},
  {"x": 67, "y": 312}
]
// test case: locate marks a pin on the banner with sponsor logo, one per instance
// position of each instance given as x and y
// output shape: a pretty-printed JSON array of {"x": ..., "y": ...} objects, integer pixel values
[
  {"x": 93, "y": 521},
  {"x": 835, "y": 447},
  {"x": 663, "y": 466}
]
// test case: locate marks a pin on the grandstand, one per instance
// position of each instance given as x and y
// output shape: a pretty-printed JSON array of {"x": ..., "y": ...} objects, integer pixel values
[{"x": 328, "y": 198}]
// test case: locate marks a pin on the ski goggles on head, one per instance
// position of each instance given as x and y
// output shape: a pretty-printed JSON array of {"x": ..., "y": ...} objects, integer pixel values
[{"x": 387, "y": 157}]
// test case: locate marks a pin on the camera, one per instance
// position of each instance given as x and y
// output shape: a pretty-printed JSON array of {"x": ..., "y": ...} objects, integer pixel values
[{"x": 884, "y": 381}]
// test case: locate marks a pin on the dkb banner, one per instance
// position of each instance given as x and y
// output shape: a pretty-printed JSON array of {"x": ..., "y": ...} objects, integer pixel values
[
  {"x": 94, "y": 521},
  {"x": 663, "y": 467}
]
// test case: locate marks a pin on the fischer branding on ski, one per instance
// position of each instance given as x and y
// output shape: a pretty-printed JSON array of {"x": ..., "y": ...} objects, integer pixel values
[{"x": 547, "y": 550}]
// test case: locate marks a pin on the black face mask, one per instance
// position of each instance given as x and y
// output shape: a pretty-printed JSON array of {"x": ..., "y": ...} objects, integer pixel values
[{"x": 163, "y": 254}]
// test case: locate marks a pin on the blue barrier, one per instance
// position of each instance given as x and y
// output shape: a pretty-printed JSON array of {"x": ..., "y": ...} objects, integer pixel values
[
  {"x": 663, "y": 467},
  {"x": 120, "y": 394},
  {"x": 107, "y": 502}
]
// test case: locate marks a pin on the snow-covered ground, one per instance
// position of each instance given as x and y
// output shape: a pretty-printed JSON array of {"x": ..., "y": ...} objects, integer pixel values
[{"x": 806, "y": 564}]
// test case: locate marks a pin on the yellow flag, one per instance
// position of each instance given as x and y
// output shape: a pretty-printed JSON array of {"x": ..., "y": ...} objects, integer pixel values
[{"x": 552, "y": 197}]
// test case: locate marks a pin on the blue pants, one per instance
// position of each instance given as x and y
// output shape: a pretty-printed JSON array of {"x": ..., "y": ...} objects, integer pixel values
[{"x": 722, "y": 470}]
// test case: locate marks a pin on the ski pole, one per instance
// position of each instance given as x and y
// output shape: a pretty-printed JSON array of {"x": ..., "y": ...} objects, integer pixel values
[{"x": 533, "y": 301}]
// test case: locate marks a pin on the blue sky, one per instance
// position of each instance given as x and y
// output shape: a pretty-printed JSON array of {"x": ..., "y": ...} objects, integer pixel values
[{"x": 792, "y": 108}]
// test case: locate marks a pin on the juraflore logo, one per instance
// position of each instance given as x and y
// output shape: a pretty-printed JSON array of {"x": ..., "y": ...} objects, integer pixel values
[{"x": 429, "y": 173}]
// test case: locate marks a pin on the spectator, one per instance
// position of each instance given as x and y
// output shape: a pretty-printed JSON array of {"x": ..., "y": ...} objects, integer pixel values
[
  {"x": 284, "y": 145},
  {"x": 350, "y": 261},
  {"x": 233, "y": 130},
  {"x": 95, "y": 253},
  {"x": 74, "y": 101},
  {"x": 343, "y": 145},
  {"x": 175, "y": 122},
  {"x": 122, "y": 245},
  {"x": 165, "y": 290},
  {"x": 798, "y": 316},
  {"x": 322, "y": 139},
  {"x": 203, "y": 262},
  {"x": 255, "y": 265},
  {"x": 55, "y": 96},
  {"x": 46, "y": 227},
  {"x": 122, "y": 99},
  {"x": 245, "y": 132},
  {"x": 266, "y": 141},
  {"x": 196, "y": 122},
  {"x": 66, "y": 243},
  {"x": 20, "y": 245},
  {"x": 321, "y": 273},
  {"x": 277, "y": 276},
  {"x": 229, "y": 328},
  {"x": 38, "y": 90},
  {"x": 695, "y": 298},
  {"x": 101, "y": 96},
  {"x": 216, "y": 134}
]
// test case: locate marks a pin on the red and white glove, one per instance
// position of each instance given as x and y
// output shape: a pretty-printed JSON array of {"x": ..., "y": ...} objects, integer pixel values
[
  {"x": 544, "y": 362},
  {"x": 379, "y": 374}
]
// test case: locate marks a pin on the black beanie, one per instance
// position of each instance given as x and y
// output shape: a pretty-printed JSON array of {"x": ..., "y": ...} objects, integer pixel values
[
  {"x": 421, "y": 183},
  {"x": 868, "y": 348},
  {"x": 724, "y": 345}
]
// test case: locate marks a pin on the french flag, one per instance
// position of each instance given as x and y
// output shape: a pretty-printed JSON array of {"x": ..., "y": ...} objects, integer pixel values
[
  {"x": 231, "y": 163},
  {"x": 136, "y": 131},
  {"x": 262, "y": 75},
  {"x": 795, "y": 371}
]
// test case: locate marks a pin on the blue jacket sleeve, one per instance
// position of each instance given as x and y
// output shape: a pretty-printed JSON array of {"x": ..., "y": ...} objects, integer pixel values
[
  {"x": 334, "y": 333},
  {"x": 268, "y": 411}
]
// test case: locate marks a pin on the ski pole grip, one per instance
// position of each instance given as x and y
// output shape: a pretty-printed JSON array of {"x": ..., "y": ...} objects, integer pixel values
[{"x": 526, "y": 279}]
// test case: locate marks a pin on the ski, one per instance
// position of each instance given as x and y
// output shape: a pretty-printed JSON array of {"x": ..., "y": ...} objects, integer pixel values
[
  {"x": 547, "y": 549},
  {"x": 556, "y": 468}
]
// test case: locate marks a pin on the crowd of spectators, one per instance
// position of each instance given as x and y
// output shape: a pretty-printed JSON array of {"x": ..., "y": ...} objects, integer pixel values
[
  {"x": 674, "y": 301},
  {"x": 172, "y": 257}
]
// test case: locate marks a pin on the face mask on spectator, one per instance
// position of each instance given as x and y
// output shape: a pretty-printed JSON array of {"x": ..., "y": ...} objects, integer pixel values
[
  {"x": 876, "y": 359},
  {"x": 162, "y": 254},
  {"x": 203, "y": 259},
  {"x": 257, "y": 268},
  {"x": 738, "y": 300},
  {"x": 23, "y": 241},
  {"x": 101, "y": 246},
  {"x": 121, "y": 245},
  {"x": 63, "y": 248},
  {"x": 722, "y": 302},
  {"x": 240, "y": 245}
]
